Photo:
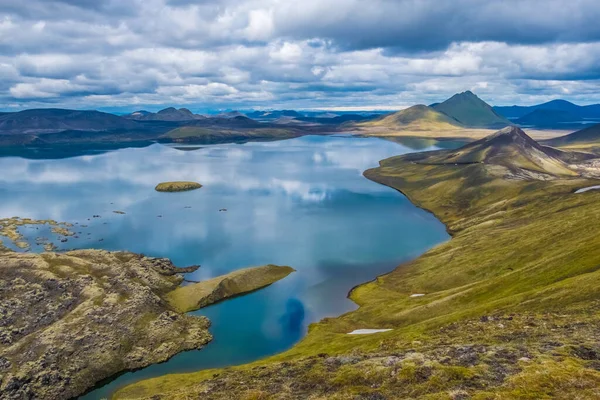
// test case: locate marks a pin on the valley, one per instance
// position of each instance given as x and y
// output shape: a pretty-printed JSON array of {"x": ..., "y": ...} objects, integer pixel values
[{"x": 502, "y": 313}]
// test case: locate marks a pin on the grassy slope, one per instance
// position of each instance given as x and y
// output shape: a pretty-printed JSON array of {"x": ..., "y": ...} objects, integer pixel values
[
  {"x": 524, "y": 252},
  {"x": 195, "y": 296},
  {"x": 421, "y": 121},
  {"x": 417, "y": 117},
  {"x": 471, "y": 111},
  {"x": 584, "y": 139}
]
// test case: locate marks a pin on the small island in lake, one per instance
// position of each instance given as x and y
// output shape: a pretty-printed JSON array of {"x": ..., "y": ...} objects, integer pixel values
[{"x": 180, "y": 186}]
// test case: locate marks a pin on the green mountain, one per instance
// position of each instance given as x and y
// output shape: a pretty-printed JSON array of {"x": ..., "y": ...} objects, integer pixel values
[
  {"x": 417, "y": 118},
  {"x": 471, "y": 111}
]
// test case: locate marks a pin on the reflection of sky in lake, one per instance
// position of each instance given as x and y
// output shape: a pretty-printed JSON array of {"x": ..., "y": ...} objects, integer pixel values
[{"x": 300, "y": 202}]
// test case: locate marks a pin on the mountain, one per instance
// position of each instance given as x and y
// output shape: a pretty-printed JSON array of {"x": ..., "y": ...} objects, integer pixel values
[
  {"x": 515, "y": 151},
  {"x": 590, "y": 111},
  {"x": 588, "y": 136},
  {"x": 415, "y": 118},
  {"x": 55, "y": 120},
  {"x": 471, "y": 111},
  {"x": 167, "y": 114},
  {"x": 548, "y": 118}
]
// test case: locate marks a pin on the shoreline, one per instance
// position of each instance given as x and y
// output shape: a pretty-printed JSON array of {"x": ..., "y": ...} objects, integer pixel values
[{"x": 374, "y": 179}]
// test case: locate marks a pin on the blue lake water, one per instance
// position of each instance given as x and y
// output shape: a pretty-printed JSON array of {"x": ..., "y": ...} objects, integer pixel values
[{"x": 301, "y": 202}]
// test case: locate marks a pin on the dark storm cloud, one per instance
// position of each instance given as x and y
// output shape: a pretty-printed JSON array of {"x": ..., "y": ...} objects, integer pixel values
[
  {"x": 405, "y": 25},
  {"x": 351, "y": 52},
  {"x": 417, "y": 25}
]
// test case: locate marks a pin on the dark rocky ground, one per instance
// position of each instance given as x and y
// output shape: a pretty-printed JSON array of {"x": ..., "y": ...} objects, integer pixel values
[{"x": 70, "y": 320}]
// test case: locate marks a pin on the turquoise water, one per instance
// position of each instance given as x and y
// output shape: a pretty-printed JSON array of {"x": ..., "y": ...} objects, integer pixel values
[{"x": 300, "y": 202}]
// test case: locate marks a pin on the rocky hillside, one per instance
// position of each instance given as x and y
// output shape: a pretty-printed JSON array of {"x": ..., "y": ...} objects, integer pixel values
[
  {"x": 511, "y": 152},
  {"x": 70, "y": 320}
]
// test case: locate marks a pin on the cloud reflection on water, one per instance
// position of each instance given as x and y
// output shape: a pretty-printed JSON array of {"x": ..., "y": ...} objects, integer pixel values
[{"x": 299, "y": 202}]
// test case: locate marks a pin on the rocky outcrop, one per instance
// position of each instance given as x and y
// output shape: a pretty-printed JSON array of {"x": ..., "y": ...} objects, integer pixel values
[{"x": 70, "y": 320}]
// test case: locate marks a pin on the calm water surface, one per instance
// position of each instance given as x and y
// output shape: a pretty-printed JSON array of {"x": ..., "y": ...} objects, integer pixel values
[{"x": 300, "y": 202}]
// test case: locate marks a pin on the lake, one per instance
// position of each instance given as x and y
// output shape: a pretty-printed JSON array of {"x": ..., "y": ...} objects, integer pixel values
[{"x": 300, "y": 202}]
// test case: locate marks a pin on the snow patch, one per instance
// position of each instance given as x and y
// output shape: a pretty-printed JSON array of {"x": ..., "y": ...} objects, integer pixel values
[{"x": 367, "y": 331}]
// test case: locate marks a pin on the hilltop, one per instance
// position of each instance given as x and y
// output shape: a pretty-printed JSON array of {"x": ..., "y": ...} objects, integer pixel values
[
  {"x": 415, "y": 118},
  {"x": 167, "y": 114},
  {"x": 515, "y": 152},
  {"x": 471, "y": 111}
]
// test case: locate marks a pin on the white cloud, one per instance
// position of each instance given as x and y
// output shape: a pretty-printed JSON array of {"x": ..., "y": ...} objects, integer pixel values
[{"x": 257, "y": 53}]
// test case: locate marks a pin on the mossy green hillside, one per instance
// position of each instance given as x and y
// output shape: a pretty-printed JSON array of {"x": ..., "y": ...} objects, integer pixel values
[{"x": 518, "y": 281}]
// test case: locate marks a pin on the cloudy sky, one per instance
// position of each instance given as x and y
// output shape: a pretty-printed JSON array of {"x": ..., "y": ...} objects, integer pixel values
[{"x": 227, "y": 54}]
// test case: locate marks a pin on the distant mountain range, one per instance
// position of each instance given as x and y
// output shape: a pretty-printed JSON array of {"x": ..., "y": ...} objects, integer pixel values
[
  {"x": 42, "y": 127},
  {"x": 168, "y": 114},
  {"x": 557, "y": 114},
  {"x": 513, "y": 112},
  {"x": 53, "y": 120},
  {"x": 463, "y": 114}
]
